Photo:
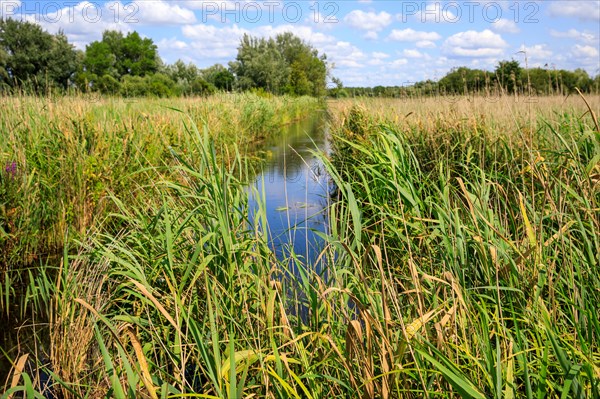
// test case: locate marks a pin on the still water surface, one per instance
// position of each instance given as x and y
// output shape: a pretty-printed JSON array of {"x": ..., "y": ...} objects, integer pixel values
[{"x": 295, "y": 189}]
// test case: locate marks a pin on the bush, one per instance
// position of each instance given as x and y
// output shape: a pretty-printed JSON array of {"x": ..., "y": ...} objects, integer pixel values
[
  {"x": 133, "y": 86},
  {"x": 108, "y": 85},
  {"x": 202, "y": 87},
  {"x": 160, "y": 85}
]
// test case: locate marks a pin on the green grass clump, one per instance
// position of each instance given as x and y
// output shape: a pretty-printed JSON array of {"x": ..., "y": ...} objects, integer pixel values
[{"x": 492, "y": 242}]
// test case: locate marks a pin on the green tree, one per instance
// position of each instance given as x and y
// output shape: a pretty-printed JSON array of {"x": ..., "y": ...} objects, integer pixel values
[
  {"x": 63, "y": 60},
  {"x": 31, "y": 56},
  {"x": 133, "y": 86},
  {"x": 541, "y": 81},
  {"x": 100, "y": 60},
  {"x": 118, "y": 55},
  {"x": 180, "y": 71},
  {"x": 285, "y": 64},
  {"x": 464, "y": 80},
  {"x": 108, "y": 85},
  {"x": 219, "y": 76},
  {"x": 4, "y": 74},
  {"x": 338, "y": 90},
  {"x": 508, "y": 75},
  {"x": 259, "y": 64},
  {"x": 581, "y": 79},
  {"x": 201, "y": 87},
  {"x": 308, "y": 70},
  {"x": 159, "y": 85},
  {"x": 223, "y": 80},
  {"x": 183, "y": 75},
  {"x": 138, "y": 56}
]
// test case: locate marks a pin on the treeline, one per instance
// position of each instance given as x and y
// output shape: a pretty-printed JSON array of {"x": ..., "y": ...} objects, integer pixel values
[
  {"x": 508, "y": 78},
  {"x": 35, "y": 61}
]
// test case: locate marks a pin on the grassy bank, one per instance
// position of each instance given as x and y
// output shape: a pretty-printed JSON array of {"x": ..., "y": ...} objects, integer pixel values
[
  {"x": 462, "y": 262},
  {"x": 480, "y": 220},
  {"x": 61, "y": 157}
]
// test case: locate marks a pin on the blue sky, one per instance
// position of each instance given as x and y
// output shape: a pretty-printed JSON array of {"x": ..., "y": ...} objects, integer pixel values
[{"x": 367, "y": 42}]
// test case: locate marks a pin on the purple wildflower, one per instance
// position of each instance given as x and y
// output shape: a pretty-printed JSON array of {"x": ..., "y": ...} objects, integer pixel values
[{"x": 11, "y": 169}]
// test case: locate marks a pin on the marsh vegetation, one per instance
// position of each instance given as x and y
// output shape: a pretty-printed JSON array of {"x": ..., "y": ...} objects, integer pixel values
[{"x": 461, "y": 257}]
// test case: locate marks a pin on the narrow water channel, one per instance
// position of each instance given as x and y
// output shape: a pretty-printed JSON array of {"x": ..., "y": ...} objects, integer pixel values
[{"x": 295, "y": 189}]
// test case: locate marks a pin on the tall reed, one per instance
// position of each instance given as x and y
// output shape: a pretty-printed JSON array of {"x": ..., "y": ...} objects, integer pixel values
[{"x": 461, "y": 262}]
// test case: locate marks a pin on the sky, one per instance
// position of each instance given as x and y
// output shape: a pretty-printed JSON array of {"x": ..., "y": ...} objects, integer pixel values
[{"x": 367, "y": 42}]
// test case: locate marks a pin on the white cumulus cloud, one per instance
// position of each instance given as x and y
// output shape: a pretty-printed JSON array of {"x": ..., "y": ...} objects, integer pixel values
[
  {"x": 573, "y": 33},
  {"x": 411, "y": 35},
  {"x": 162, "y": 12},
  {"x": 379, "y": 55},
  {"x": 537, "y": 55},
  {"x": 371, "y": 35},
  {"x": 412, "y": 53},
  {"x": 210, "y": 41},
  {"x": 475, "y": 44},
  {"x": 425, "y": 44},
  {"x": 588, "y": 10},
  {"x": 84, "y": 21},
  {"x": 580, "y": 51},
  {"x": 369, "y": 21},
  {"x": 399, "y": 62},
  {"x": 505, "y": 26}
]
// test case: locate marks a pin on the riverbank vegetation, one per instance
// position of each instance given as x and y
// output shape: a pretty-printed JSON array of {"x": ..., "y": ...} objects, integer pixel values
[
  {"x": 63, "y": 156},
  {"x": 474, "y": 225},
  {"x": 461, "y": 261}
]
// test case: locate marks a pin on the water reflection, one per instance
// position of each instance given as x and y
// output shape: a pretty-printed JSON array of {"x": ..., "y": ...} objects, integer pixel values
[{"x": 295, "y": 189}]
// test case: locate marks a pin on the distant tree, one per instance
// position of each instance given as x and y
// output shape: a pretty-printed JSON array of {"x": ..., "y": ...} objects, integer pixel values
[
  {"x": 159, "y": 85},
  {"x": 29, "y": 55},
  {"x": 139, "y": 56},
  {"x": 508, "y": 75},
  {"x": 4, "y": 73},
  {"x": 219, "y": 76},
  {"x": 541, "y": 81},
  {"x": 117, "y": 55},
  {"x": 581, "y": 80},
  {"x": 100, "y": 60},
  {"x": 223, "y": 80},
  {"x": 133, "y": 86},
  {"x": 259, "y": 64},
  {"x": 308, "y": 70},
  {"x": 338, "y": 90},
  {"x": 63, "y": 60},
  {"x": 108, "y": 85},
  {"x": 201, "y": 87},
  {"x": 182, "y": 74},
  {"x": 379, "y": 91},
  {"x": 464, "y": 80},
  {"x": 285, "y": 64},
  {"x": 180, "y": 71}
]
